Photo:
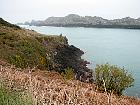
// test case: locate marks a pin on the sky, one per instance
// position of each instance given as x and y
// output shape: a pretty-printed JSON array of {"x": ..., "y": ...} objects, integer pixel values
[{"x": 16, "y": 11}]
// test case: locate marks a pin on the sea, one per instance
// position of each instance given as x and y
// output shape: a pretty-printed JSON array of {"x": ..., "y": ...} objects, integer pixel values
[{"x": 119, "y": 47}]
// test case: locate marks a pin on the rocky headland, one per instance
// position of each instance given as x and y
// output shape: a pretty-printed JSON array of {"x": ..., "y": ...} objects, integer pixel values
[
  {"x": 27, "y": 48},
  {"x": 74, "y": 20}
]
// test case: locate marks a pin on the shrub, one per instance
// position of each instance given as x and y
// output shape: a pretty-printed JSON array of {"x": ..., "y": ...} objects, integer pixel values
[
  {"x": 111, "y": 78},
  {"x": 68, "y": 73},
  {"x": 17, "y": 60}
]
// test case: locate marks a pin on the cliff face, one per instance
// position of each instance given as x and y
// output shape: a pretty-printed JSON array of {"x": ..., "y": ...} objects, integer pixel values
[
  {"x": 26, "y": 48},
  {"x": 70, "y": 56},
  {"x": 74, "y": 20}
]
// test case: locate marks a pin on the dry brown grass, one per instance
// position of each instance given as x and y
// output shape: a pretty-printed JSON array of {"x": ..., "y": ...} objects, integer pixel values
[{"x": 51, "y": 89}]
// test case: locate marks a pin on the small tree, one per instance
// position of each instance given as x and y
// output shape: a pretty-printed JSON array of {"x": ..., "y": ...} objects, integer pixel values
[
  {"x": 111, "y": 78},
  {"x": 68, "y": 73}
]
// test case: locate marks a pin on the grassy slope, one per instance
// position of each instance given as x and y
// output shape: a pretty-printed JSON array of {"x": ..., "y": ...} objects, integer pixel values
[
  {"x": 7, "y": 24},
  {"x": 12, "y": 97},
  {"x": 50, "y": 88},
  {"x": 25, "y": 48}
]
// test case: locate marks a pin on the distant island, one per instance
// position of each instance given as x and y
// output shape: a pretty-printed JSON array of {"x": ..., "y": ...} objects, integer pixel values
[{"x": 74, "y": 20}]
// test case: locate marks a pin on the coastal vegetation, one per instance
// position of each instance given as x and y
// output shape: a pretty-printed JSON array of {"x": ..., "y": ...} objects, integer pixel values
[
  {"x": 11, "y": 97},
  {"x": 68, "y": 74},
  {"x": 25, "y": 48},
  {"x": 112, "y": 79},
  {"x": 38, "y": 69}
]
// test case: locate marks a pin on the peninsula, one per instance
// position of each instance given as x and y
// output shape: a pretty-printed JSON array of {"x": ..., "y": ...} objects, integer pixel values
[{"x": 74, "y": 20}]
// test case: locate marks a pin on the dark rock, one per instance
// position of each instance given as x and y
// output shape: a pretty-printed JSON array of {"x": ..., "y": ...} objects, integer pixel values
[{"x": 70, "y": 56}]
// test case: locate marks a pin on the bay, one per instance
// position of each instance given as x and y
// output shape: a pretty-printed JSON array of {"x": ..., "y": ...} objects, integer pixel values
[{"x": 119, "y": 47}]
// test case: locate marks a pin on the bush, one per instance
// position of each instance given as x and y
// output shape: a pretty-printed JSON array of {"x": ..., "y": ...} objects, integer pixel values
[
  {"x": 68, "y": 73},
  {"x": 111, "y": 78},
  {"x": 17, "y": 60}
]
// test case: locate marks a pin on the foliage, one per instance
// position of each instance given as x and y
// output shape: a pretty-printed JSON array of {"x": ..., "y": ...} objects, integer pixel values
[
  {"x": 17, "y": 60},
  {"x": 24, "y": 53},
  {"x": 9, "y": 97},
  {"x": 68, "y": 73},
  {"x": 5, "y": 23},
  {"x": 53, "y": 40},
  {"x": 111, "y": 78},
  {"x": 21, "y": 50},
  {"x": 25, "y": 48}
]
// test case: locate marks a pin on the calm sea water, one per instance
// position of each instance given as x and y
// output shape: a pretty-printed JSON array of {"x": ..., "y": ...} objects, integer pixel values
[{"x": 115, "y": 46}]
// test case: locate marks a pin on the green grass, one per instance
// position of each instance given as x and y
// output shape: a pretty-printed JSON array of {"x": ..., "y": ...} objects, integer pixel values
[
  {"x": 11, "y": 97},
  {"x": 5, "y": 23},
  {"x": 21, "y": 52}
]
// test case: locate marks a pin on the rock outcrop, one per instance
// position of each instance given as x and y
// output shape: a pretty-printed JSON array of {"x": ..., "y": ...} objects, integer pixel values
[{"x": 70, "y": 56}]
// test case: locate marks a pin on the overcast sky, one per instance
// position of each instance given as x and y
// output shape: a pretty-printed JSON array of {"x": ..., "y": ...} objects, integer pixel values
[{"x": 26, "y": 10}]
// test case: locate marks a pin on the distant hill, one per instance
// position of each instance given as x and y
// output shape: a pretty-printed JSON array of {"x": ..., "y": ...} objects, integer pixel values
[{"x": 73, "y": 20}]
